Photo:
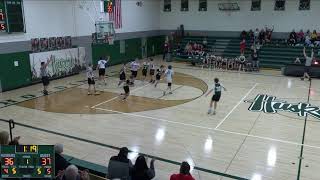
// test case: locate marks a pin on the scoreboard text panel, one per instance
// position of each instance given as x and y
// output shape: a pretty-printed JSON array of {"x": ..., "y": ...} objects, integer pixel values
[{"x": 27, "y": 161}]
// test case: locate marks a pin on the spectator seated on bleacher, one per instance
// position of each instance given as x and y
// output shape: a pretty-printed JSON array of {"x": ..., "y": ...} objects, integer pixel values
[
  {"x": 297, "y": 61},
  {"x": 204, "y": 43},
  {"x": 73, "y": 173},
  {"x": 300, "y": 37},
  {"x": 292, "y": 38},
  {"x": 4, "y": 139},
  {"x": 120, "y": 166},
  {"x": 141, "y": 171},
  {"x": 184, "y": 173},
  {"x": 60, "y": 162},
  {"x": 314, "y": 36}
]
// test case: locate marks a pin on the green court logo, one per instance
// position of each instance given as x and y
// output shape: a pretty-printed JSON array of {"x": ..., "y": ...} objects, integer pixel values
[{"x": 269, "y": 104}]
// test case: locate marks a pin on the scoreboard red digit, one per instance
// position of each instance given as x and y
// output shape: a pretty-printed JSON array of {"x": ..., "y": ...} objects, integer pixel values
[
  {"x": 3, "y": 20},
  {"x": 27, "y": 161}
]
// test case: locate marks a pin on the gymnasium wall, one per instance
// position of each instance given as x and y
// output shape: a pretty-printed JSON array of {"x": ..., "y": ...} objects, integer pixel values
[
  {"x": 132, "y": 49},
  {"x": 12, "y": 76},
  {"x": 218, "y": 21}
]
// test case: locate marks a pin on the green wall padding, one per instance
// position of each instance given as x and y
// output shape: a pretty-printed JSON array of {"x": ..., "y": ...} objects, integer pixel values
[
  {"x": 132, "y": 50},
  {"x": 12, "y": 76}
]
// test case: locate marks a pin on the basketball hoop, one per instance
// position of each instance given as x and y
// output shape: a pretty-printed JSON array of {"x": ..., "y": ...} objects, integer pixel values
[{"x": 105, "y": 32}]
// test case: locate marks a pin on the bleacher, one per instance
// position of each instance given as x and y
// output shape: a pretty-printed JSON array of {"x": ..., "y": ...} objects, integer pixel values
[{"x": 274, "y": 55}]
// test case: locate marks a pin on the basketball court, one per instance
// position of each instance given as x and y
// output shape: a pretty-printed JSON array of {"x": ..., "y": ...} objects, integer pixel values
[{"x": 234, "y": 143}]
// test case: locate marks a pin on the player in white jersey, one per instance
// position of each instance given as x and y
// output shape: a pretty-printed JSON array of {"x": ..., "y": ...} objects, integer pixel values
[
  {"x": 102, "y": 64},
  {"x": 134, "y": 67},
  {"x": 91, "y": 82},
  {"x": 169, "y": 77},
  {"x": 152, "y": 68},
  {"x": 145, "y": 67},
  {"x": 308, "y": 64},
  {"x": 217, "y": 87}
]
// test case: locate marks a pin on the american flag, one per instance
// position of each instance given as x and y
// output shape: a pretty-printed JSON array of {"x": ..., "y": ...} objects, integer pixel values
[{"x": 115, "y": 14}]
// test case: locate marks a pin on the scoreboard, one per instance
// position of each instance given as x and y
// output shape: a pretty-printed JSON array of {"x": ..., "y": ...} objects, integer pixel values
[
  {"x": 27, "y": 161},
  {"x": 3, "y": 19},
  {"x": 11, "y": 16}
]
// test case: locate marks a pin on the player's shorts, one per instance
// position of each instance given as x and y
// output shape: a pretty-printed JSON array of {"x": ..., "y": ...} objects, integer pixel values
[
  {"x": 91, "y": 81},
  {"x": 152, "y": 72},
  {"x": 307, "y": 69},
  {"x": 134, "y": 73},
  {"x": 126, "y": 89},
  {"x": 45, "y": 80},
  {"x": 169, "y": 84},
  {"x": 144, "y": 72},
  {"x": 122, "y": 76},
  {"x": 158, "y": 77},
  {"x": 102, "y": 72},
  {"x": 216, "y": 97}
]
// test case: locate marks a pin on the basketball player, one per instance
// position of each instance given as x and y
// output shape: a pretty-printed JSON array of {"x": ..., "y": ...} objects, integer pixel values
[
  {"x": 169, "y": 75},
  {"x": 145, "y": 67},
  {"x": 242, "y": 62},
  {"x": 91, "y": 82},
  {"x": 134, "y": 70},
  {"x": 122, "y": 74},
  {"x": 307, "y": 64},
  {"x": 102, "y": 69},
  {"x": 126, "y": 90},
  {"x": 158, "y": 77},
  {"x": 45, "y": 76},
  {"x": 152, "y": 70},
  {"x": 216, "y": 96}
]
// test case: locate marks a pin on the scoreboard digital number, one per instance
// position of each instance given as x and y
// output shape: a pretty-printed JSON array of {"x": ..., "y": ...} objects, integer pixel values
[
  {"x": 3, "y": 19},
  {"x": 27, "y": 161}
]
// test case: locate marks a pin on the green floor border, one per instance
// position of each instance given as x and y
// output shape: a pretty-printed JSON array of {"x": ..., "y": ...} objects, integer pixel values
[{"x": 117, "y": 148}]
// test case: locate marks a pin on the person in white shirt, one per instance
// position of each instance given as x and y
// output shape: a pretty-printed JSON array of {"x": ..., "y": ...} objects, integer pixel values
[
  {"x": 242, "y": 62},
  {"x": 91, "y": 82},
  {"x": 152, "y": 68},
  {"x": 145, "y": 67},
  {"x": 102, "y": 64},
  {"x": 307, "y": 65},
  {"x": 134, "y": 67},
  {"x": 169, "y": 76}
]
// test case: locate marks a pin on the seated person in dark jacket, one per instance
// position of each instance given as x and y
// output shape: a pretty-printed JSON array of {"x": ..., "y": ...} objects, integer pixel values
[
  {"x": 120, "y": 166},
  {"x": 141, "y": 171},
  {"x": 61, "y": 163}
]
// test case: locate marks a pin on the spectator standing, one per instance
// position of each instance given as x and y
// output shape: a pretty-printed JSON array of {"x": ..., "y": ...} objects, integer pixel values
[
  {"x": 256, "y": 35},
  {"x": 243, "y": 34},
  {"x": 141, "y": 171},
  {"x": 184, "y": 173},
  {"x": 292, "y": 38},
  {"x": 120, "y": 166},
  {"x": 262, "y": 36},
  {"x": 242, "y": 46},
  {"x": 165, "y": 50}
]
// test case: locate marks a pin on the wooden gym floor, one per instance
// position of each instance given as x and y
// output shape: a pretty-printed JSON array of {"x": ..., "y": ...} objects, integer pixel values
[{"x": 174, "y": 128}]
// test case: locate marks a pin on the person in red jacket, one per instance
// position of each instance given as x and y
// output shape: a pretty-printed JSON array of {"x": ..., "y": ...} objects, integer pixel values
[
  {"x": 184, "y": 173},
  {"x": 242, "y": 46}
]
